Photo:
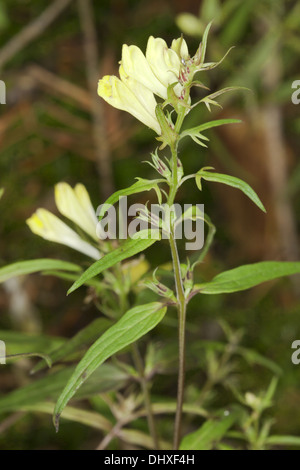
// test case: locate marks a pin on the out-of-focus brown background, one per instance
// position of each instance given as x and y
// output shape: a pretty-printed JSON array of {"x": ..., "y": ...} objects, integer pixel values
[{"x": 54, "y": 128}]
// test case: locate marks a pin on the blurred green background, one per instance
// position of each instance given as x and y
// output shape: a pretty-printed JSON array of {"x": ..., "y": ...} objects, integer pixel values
[{"x": 54, "y": 128}]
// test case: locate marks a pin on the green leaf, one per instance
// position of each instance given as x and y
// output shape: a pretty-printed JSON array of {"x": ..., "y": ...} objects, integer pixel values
[
  {"x": 17, "y": 342},
  {"x": 91, "y": 419},
  {"x": 209, "y": 99},
  {"x": 249, "y": 355},
  {"x": 229, "y": 181},
  {"x": 85, "y": 336},
  {"x": 208, "y": 435},
  {"x": 253, "y": 357},
  {"x": 202, "y": 49},
  {"x": 31, "y": 266},
  {"x": 106, "y": 378},
  {"x": 194, "y": 131},
  {"x": 130, "y": 248},
  {"x": 132, "y": 326},
  {"x": 247, "y": 276},
  {"x": 31, "y": 354},
  {"x": 138, "y": 187},
  {"x": 1, "y": 192},
  {"x": 283, "y": 441}
]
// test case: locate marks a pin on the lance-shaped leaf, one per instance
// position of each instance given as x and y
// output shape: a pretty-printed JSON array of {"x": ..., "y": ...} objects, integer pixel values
[
  {"x": 209, "y": 99},
  {"x": 107, "y": 377},
  {"x": 195, "y": 132},
  {"x": 84, "y": 337},
  {"x": 247, "y": 276},
  {"x": 230, "y": 181},
  {"x": 138, "y": 187},
  {"x": 130, "y": 248},
  {"x": 200, "y": 54},
  {"x": 32, "y": 266},
  {"x": 19, "y": 342},
  {"x": 132, "y": 326},
  {"x": 209, "y": 434}
]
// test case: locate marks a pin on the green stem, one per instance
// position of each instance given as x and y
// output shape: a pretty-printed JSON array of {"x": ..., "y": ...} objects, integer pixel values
[
  {"x": 181, "y": 305},
  {"x": 181, "y": 301},
  {"x": 174, "y": 186}
]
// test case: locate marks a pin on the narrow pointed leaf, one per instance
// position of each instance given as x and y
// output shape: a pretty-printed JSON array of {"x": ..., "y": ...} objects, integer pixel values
[
  {"x": 32, "y": 266},
  {"x": 106, "y": 378},
  {"x": 130, "y": 248},
  {"x": 83, "y": 338},
  {"x": 208, "y": 125},
  {"x": 250, "y": 275},
  {"x": 138, "y": 187},
  {"x": 132, "y": 326},
  {"x": 230, "y": 181},
  {"x": 208, "y": 435},
  {"x": 204, "y": 43}
]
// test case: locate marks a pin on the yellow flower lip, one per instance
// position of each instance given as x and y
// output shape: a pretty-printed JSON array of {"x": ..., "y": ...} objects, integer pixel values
[
  {"x": 127, "y": 94},
  {"x": 76, "y": 205},
  {"x": 105, "y": 87}
]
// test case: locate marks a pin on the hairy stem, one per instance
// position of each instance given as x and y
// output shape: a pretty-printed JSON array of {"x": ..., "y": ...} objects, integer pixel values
[
  {"x": 181, "y": 305},
  {"x": 181, "y": 301}
]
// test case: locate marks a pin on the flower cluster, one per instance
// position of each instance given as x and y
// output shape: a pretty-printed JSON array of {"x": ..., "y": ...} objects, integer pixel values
[
  {"x": 143, "y": 76},
  {"x": 75, "y": 204}
]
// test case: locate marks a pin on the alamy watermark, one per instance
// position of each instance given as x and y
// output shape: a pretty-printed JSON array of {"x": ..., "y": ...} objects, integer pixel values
[
  {"x": 2, "y": 92},
  {"x": 158, "y": 221},
  {"x": 296, "y": 354},
  {"x": 296, "y": 95},
  {"x": 2, "y": 352}
]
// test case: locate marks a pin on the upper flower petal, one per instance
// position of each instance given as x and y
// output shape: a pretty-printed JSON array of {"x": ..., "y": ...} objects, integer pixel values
[
  {"x": 164, "y": 62},
  {"x": 76, "y": 205},
  {"x": 136, "y": 66},
  {"x": 180, "y": 47},
  {"x": 118, "y": 94},
  {"x": 48, "y": 226},
  {"x": 143, "y": 94}
]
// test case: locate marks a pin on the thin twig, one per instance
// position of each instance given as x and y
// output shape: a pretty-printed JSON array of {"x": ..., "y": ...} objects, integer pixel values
[
  {"x": 32, "y": 30},
  {"x": 92, "y": 63},
  {"x": 109, "y": 437}
]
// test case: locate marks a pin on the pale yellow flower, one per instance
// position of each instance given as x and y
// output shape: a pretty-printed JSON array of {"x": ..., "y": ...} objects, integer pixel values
[
  {"x": 164, "y": 63},
  {"x": 143, "y": 76},
  {"x": 75, "y": 204},
  {"x": 136, "y": 66},
  {"x": 48, "y": 226},
  {"x": 129, "y": 96}
]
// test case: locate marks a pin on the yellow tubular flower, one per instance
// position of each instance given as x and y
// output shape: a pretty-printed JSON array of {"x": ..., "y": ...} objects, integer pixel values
[
  {"x": 75, "y": 204},
  {"x": 145, "y": 96},
  {"x": 48, "y": 226},
  {"x": 135, "y": 65},
  {"x": 164, "y": 63},
  {"x": 118, "y": 94}
]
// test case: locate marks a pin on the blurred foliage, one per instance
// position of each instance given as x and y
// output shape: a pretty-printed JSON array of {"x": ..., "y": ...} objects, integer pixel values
[{"x": 46, "y": 137}]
